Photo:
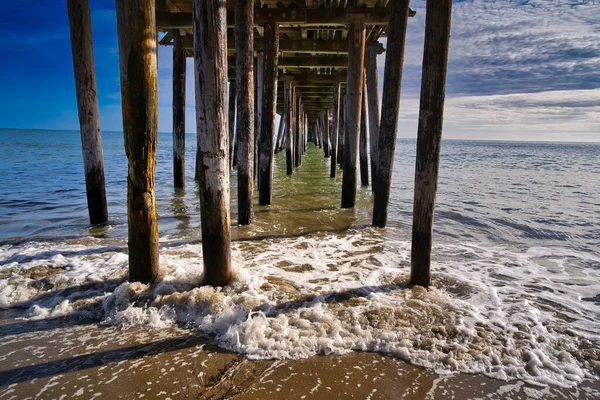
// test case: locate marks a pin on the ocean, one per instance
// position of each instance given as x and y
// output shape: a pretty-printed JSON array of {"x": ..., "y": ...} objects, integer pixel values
[{"x": 516, "y": 257}]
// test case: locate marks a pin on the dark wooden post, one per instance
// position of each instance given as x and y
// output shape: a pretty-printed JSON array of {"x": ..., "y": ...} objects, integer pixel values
[
  {"x": 289, "y": 149},
  {"x": 210, "y": 66},
  {"x": 136, "y": 27},
  {"x": 392, "y": 80},
  {"x": 319, "y": 134},
  {"x": 231, "y": 116},
  {"x": 305, "y": 128},
  {"x": 197, "y": 168},
  {"x": 258, "y": 72},
  {"x": 326, "y": 133},
  {"x": 335, "y": 128},
  {"x": 178, "y": 112},
  {"x": 342, "y": 128},
  {"x": 294, "y": 127},
  {"x": 429, "y": 137},
  {"x": 279, "y": 133},
  {"x": 317, "y": 128},
  {"x": 87, "y": 105},
  {"x": 300, "y": 133},
  {"x": 269, "y": 113},
  {"x": 297, "y": 137},
  {"x": 244, "y": 80},
  {"x": 364, "y": 158},
  {"x": 373, "y": 109}
]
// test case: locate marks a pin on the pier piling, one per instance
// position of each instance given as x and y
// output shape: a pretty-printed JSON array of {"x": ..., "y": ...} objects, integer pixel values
[
  {"x": 392, "y": 80},
  {"x": 335, "y": 128},
  {"x": 231, "y": 121},
  {"x": 179, "y": 75},
  {"x": 373, "y": 110},
  {"x": 210, "y": 66},
  {"x": 364, "y": 160},
  {"x": 289, "y": 149},
  {"x": 354, "y": 89},
  {"x": 431, "y": 115},
  {"x": 244, "y": 65},
  {"x": 136, "y": 29},
  {"x": 87, "y": 105},
  {"x": 271, "y": 49},
  {"x": 258, "y": 105}
]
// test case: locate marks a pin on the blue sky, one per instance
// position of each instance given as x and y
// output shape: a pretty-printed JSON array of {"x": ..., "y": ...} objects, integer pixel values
[{"x": 520, "y": 70}]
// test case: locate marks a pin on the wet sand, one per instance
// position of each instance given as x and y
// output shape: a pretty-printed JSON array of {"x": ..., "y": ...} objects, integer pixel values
[{"x": 70, "y": 358}]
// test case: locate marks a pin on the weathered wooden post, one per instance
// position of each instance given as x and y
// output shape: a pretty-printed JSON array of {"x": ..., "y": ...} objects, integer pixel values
[
  {"x": 244, "y": 80},
  {"x": 259, "y": 76},
  {"x": 269, "y": 113},
  {"x": 289, "y": 149},
  {"x": 429, "y": 137},
  {"x": 136, "y": 27},
  {"x": 354, "y": 89},
  {"x": 392, "y": 79},
  {"x": 210, "y": 66},
  {"x": 231, "y": 122},
  {"x": 179, "y": 68},
  {"x": 373, "y": 109},
  {"x": 364, "y": 160},
  {"x": 87, "y": 105},
  {"x": 335, "y": 128}
]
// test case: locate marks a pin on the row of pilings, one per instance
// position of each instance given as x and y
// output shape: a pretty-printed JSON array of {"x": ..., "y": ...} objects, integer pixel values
[{"x": 251, "y": 141}]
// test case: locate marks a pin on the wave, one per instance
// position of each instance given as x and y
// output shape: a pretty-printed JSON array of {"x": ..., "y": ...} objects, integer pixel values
[{"x": 509, "y": 314}]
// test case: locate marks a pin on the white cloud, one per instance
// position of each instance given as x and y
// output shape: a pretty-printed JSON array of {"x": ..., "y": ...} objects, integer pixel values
[{"x": 521, "y": 70}]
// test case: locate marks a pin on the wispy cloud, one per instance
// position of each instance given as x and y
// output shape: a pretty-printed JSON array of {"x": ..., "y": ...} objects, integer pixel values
[
  {"x": 503, "y": 46},
  {"x": 517, "y": 70}
]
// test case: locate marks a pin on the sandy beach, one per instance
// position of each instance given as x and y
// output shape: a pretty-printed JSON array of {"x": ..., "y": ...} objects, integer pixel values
[{"x": 68, "y": 358}]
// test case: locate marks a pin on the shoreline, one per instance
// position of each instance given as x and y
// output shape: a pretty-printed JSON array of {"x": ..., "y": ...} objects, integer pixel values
[{"x": 70, "y": 358}]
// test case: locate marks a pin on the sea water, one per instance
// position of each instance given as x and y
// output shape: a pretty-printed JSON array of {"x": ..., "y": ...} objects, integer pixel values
[{"x": 516, "y": 257}]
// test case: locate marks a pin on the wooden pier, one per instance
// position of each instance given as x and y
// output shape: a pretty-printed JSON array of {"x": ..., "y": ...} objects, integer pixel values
[{"x": 313, "y": 62}]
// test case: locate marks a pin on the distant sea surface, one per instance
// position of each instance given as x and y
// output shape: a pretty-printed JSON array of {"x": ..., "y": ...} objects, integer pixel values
[{"x": 516, "y": 260}]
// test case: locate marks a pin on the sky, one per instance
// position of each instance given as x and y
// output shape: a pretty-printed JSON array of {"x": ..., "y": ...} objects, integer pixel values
[{"x": 518, "y": 70}]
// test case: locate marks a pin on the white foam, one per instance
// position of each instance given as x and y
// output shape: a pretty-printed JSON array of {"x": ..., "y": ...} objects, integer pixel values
[{"x": 506, "y": 313}]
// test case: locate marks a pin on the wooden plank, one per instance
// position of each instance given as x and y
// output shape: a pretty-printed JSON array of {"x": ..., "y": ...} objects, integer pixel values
[
  {"x": 429, "y": 136},
  {"x": 295, "y": 46},
  {"x": 87, "y": 106},
  {"x": 210, "y": 67},
  {"x": 306, "y": 62},
  {"x": 392, "y": 81},
  {"x": 136, "y": 31},
  {"x": 297, "y": 17},
  {"x": 179, "y": 72},
  {"x": 244, "y": 67}
]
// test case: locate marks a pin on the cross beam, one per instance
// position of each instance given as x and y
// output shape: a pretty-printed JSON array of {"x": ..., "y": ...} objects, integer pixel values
[
  {"x": 294, "y": 46},
  {"x": 304, "y": 17}
]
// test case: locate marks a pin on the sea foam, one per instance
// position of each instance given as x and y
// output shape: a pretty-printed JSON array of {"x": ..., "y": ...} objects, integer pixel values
[{"x": 530, "y": 314}]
